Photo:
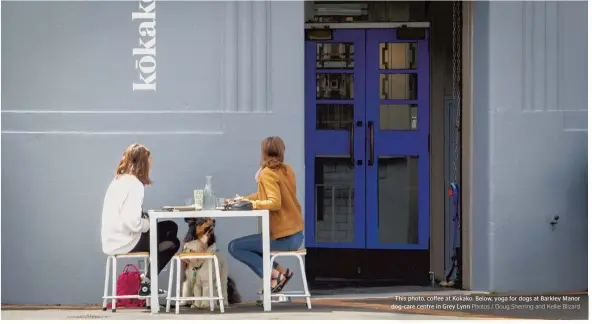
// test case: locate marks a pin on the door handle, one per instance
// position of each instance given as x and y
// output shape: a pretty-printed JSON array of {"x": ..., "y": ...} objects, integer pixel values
[
  {"x": 383, "y": 63},
  {"x": 412, "y": 49},
  {"x": 371, "y": 157},
  {"x": 384, "y": 83},
  {"x": 351, "y": 145}
]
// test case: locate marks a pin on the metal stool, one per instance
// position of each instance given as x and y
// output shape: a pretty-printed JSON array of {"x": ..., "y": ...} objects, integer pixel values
[
  {"x": 192, "y": 256},
  {"x": 298, "y": 254},
  {"x": 112, "y": 261}
]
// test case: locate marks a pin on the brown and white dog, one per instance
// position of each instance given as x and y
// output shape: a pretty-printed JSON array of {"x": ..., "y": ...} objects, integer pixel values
[{"x": 196, "y": 283}]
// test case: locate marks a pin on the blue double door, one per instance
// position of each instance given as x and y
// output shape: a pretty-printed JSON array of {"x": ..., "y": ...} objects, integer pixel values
[{"x": 367, "y": 143}]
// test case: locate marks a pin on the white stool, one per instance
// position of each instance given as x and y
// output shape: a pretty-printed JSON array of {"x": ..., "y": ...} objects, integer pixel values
[
  {"x": 112, "y": 260},
  {"x": 193, "y": 256},
  {"x": 298, "y": 254}
]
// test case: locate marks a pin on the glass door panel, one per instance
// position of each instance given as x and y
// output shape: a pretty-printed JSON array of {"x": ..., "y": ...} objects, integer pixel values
[
  {"x": 334, "y": 200},
  {"x": 398, "y": 203},
  {"x": 334, "y": 117}
]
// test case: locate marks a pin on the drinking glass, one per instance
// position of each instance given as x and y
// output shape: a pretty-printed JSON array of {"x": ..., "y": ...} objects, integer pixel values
[
  {"x": 198, "y": 198},
  {"x": 189, "y": 201},
  {"x": 220, "y": 202}
]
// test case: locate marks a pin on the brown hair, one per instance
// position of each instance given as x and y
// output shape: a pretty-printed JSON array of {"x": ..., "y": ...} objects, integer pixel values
[
  {"x": 272, "y": 152},
  {"x": 135, "y": 161}
]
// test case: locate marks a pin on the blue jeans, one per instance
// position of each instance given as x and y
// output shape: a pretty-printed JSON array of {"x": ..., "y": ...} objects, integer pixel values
[{"x": 248, "y": 249}]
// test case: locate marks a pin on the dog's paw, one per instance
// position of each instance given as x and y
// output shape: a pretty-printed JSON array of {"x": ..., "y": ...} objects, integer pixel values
[{"x": 197, "y": 304}]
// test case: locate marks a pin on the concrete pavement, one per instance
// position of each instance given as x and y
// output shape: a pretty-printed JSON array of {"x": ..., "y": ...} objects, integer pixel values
[
  {"x": 56, "y": 314},
  {"x": 288, "y": 311},
  {"x": 389, "y": 308}
]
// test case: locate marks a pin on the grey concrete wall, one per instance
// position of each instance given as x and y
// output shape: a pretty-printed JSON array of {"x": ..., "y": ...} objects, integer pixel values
[
  {"x": 529, "y": 146},
  {"x": 225, "y": 80}
]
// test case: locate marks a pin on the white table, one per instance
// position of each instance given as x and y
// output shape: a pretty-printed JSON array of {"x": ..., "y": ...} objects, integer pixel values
[{"x": 156, "y": 215}]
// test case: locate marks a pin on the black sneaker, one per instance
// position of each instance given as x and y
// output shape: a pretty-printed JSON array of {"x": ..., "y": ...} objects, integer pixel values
[{"x": 145, "y": 290}]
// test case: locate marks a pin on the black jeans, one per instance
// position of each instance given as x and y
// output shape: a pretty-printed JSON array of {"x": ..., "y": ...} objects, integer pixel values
[{"x": 168, "y": 243}]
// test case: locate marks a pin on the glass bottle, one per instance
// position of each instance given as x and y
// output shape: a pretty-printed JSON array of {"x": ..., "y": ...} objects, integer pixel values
[{"x": 209, "y": 200}]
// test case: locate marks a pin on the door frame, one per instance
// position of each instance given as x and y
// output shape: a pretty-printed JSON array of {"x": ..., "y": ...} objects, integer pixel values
[
  {"x": 360, "y": 230},
  {"x": 466, "y": 135},
  {"x": 466, "y": 124}
]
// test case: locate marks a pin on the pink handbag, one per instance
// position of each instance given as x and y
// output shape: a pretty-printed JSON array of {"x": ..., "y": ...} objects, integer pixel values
[{"x": 128, "y": 283}]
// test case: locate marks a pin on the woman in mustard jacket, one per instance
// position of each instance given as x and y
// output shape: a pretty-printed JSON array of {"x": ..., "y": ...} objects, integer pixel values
[{"x": 276, "y": 192}]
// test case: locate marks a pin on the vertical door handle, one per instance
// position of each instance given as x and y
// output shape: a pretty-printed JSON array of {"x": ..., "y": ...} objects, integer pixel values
[
  {"x": 384, "y": 83},
  {"x": 412, "y": 50},
  {"x": 351, "y": 145},
  {"x": 383, "y": 63},
  {"x": 371, "y": 130}
]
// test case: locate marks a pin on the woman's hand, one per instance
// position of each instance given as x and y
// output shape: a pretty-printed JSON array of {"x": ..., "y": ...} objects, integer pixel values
[
  {"x": 231, "y": 200},
  {"x": 237, "y": 197}
]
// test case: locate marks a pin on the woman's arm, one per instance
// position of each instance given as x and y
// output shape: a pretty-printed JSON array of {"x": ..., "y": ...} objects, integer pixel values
[
  {"x": 249, "y": 197},
  {"x": 269, "y": 181},
  {"x": 131, "y": 212},
  {"x": 252, "y": 196}
]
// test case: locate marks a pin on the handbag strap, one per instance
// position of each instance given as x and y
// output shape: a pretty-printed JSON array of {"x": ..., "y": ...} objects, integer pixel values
[{"x": 130, "y": 265}]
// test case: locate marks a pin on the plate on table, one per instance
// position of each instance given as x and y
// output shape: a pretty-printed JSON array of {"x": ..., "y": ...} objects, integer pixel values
[{"x": 180, "y": 208}]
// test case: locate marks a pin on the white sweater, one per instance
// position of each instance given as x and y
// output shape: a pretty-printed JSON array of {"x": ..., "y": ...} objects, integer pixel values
[{"x": 122, "y": 222}]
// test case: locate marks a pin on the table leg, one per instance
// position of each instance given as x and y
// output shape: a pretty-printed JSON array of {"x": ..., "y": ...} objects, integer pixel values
[
  {"x": 266, "y": 264},
  {"x": 154, "y": 305}
]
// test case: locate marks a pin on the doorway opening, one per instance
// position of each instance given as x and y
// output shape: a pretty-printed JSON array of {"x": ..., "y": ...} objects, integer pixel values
[{"x": 382, "y": 110}]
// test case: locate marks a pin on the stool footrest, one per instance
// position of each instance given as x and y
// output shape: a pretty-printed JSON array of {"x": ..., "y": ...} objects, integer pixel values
[
  {"x": 126, "y": 296},
  {"x": 301, "y": 294},
  {"x": 194, "y": 298}
]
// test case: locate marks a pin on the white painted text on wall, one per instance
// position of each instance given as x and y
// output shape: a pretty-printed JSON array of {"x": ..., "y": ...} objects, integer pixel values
[{"x": 145, "y": 53}]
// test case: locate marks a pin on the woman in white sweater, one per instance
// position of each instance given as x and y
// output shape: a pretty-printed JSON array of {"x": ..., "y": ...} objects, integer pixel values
[{"x": 123, "y": 228}]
